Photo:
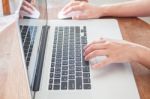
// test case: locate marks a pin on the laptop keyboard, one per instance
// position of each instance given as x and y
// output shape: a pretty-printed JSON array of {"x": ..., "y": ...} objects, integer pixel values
[
  {"x": 68, "y": 69},
  {"x": 28, "y": 36}
]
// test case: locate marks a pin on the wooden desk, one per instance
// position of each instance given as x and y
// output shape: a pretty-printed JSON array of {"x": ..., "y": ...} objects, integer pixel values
[
  {"x": 13, "y": 78},
  {"x": 134, "y": 30}
]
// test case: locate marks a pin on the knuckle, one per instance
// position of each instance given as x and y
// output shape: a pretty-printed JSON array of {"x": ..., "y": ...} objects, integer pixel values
[
  {"x": 71, "y": 8},
  {"x": 82, "y": 5},
  {"x": 92, "y": 47},
  {"x": 107, "y": 43},
  {"x": 95, "y": 52}
]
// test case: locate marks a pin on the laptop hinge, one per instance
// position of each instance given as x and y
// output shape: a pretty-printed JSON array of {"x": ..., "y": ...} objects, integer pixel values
[{"x": 42, "y": 46}]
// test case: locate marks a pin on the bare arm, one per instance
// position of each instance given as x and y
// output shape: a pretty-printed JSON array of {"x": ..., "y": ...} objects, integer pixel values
[
  {"x": 123, "y": 9},
  {"x": 129, "y": 8}
]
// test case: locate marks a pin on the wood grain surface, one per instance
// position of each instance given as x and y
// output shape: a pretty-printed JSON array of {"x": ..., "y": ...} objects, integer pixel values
[{"x": 13, "y": 77}]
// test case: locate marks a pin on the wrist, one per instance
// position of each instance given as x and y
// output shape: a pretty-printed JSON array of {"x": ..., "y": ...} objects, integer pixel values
[
  {"x": 104, "y": 10},
  {"x": 143, "y": 56}
]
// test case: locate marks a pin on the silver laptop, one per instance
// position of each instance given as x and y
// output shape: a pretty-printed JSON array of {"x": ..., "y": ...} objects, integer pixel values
[{"x": 53, "y": 51}]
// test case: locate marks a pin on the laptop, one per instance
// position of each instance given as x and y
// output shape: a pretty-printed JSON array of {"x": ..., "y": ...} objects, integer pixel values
[{"x": 53, "y": 53}]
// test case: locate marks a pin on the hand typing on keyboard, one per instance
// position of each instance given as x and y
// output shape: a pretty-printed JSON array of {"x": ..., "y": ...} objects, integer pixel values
[{"x": 117, "y": 51}]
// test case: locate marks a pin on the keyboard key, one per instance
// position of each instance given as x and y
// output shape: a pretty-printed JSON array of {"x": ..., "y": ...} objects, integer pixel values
[
  {"x": 84, "y": 40},
  {"x": 52, "y": 69},
  {"x": 57, "y": 75},
  {"x": 64, "y": 85},
  {"x": 64, "y": 72},
  {"x": 78, "y": 68},
  {"x": 85, "y": 63},
  {"x": 58, "y": 61},
  {"x": 56, "y": 81},
  {"x": 51, "y": 75},
  {"x": 86, "y": 69},
  {"x": 71, "y": 76},
  {"x": 71, "y": 61},
  {"x": 78, "y": 63},
  {"x": 87, "y": 80},
  {"x": 71, "y": 72},
  {"x": 52, "y": 64},
  {"x": 78, "y": 73},
  {"x": 51, "y": 81},
  {"x": 78, "y": 83},
  {"x": 71, "y": 84},
  {"x": 58, "y": 56},
  {"x": 78, "y": 55},
  {"x": 71, "y": 67},
  {"x": 58, "y": 65},
  {"x": 57, "y": 70},
  {"x": 64, "y": 78},
  {"x": 77, "y": 29},
  {"x": 56, "y": 87},
  {"x": 64, "y": 67},
  {"x": 71, "y": 57},
  {"x": 78, "y": 59},
  {"x": 65, "y": 62},
  {"x": 53, "y": 55},
  {"x": 87, "y": 86},
  {"x": 65, "y": 57},
  {"x": 53, "y": 59},
  {"x": 50, "y": 87},
  {"x": 86, "y": 75}
]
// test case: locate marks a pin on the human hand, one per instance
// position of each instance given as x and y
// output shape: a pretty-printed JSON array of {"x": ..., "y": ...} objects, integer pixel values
[
  {"x": 88, "y": 11},
  {"x": 27, "y": 7},
  {"x": 117, "y": 51}
]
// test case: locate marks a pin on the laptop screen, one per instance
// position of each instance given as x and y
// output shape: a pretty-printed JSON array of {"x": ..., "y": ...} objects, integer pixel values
[{"x": 31, "y": 13}]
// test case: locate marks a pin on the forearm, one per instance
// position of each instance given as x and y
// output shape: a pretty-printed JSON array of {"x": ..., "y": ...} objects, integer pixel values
[
  {"x": 144, "y": 57},
  {"x": 129, "y": 8}
]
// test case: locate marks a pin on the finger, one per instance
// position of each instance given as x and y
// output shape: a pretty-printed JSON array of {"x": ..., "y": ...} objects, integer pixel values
[
  {"x": 20, "y": 16},
  {"x": 25, "y": 3},
  {"x": 73, "y": 8},
  {"x": 101, "y": 40},
  {"x": 95, "y": 53},
  {"x": 93, "y": 47},
  {"x": 72, "y": 3},
  {"x": 102, "y": 63},
  {"x": 28, "y": 10}
]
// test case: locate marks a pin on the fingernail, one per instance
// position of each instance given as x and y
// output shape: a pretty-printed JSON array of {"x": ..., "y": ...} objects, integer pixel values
[{"x": 85, "y": 59}]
